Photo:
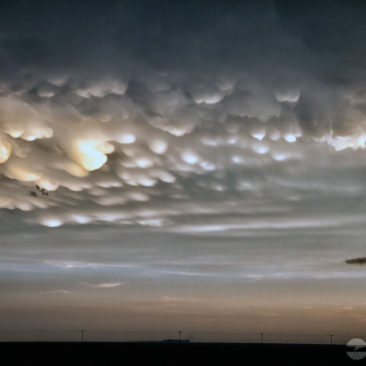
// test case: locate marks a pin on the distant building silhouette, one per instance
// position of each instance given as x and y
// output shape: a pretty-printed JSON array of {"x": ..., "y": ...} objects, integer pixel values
[{"x": 175, "y": 341}]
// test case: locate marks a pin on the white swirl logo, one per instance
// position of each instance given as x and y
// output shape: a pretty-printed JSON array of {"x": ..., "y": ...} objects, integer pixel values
[{"x": 357, "y": 344}]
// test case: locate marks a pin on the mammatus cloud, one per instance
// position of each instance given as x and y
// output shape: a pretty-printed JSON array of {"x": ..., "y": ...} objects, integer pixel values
[{"x": 142, "y": 138}]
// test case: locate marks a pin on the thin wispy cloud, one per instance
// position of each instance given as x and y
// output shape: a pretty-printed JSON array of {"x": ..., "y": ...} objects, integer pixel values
[{"x": 105, "y": 285}]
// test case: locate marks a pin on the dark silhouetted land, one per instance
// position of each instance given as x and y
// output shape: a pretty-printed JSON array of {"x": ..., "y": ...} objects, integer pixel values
[{"x": 155, "y": 353}]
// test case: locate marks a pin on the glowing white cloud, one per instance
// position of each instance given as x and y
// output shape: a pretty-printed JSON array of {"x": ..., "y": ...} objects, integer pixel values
[
  {"x": 126, "y": 138},
  {"x": 22, "y": 173},
  {"x": 158, "y": 146},
  {"x": 100, "y": 89},
  {"x": 144, "y": 162},
  {"x": 5, "y": 150},
  {"x": 190, "y": 157},
  {"x": 52, "y": 222},
  {"x": 260, "y": 148},
  {"x": 290, "y": 97},
  {"x": 344, "y": 142},
  {"x": 259, "y": 135},
  {"x": 91, "y": 154},
  {"x": 290, "y": 137}
]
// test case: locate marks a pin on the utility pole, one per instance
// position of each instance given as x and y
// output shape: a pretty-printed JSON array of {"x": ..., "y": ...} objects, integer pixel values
[
  {"x": 179, "y": 336},
  {"x": 331, "y": 338},
  {"x": 82, "y": 336},
  {"x": 262, "y": 337}
]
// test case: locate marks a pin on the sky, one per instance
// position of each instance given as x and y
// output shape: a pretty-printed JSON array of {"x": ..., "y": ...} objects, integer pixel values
[{"x": 182, "y": 165}]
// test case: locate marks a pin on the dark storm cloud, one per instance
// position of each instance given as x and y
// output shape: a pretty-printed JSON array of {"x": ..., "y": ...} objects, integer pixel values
[
  {"x": 361, "y": 260},
  {"x": 133, "y": 112}
]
